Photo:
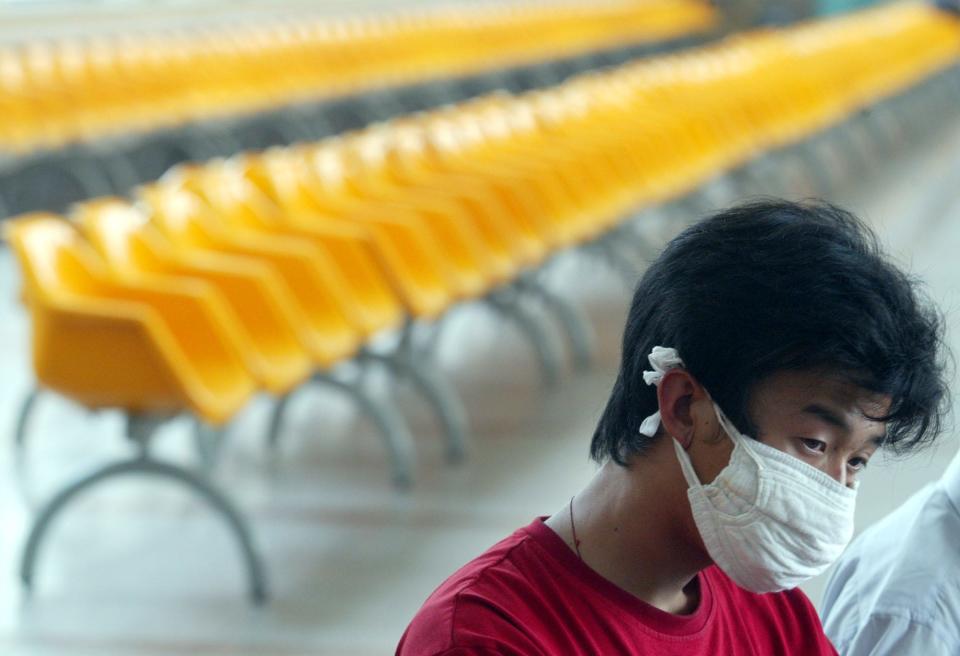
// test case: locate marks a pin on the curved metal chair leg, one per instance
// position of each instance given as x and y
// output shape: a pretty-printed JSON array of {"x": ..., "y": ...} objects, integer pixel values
[
  {"x": 119, "y": 170},
  {"x": 883, "y": 127},
  {"x": 276, "y": 420},
  {"x": 208, "y": 443},
  {"x": 88, "y": 174},
  {"x": 625, "y": 267},
  {"x": 209, "y": 142},
  {"x": 575, "y": 325},
  {"x": 848, "y": 150},
  {"x": 441, "y": 396},
  {"x": 425, "y": 345},
  {"x": 20, "y": 428},
  {"x": 216, "y": 499},
  {"x": 762, "y": 176},
  {"x": 819, "y": 171},
  {"x": 543, "y": 345},
  {"x": 396, "y": 436},
  {"x": 20, "y": 446},
  {"x": 859, "y": 155},
  {"x": 744, "y": 181},
  {"x": 437, "y": 392},
  {"x": 800, "y": 180},
  {"x": 4, "y": 210},
  {"x": 630, "y": 234},
  {"x": 293, "y": 128}
]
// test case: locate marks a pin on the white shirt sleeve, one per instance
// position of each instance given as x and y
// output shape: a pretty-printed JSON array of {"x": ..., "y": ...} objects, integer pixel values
[{"x": 894, "y": 635}]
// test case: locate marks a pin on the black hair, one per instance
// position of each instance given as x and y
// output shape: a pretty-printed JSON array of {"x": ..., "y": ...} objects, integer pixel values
[{"x": 770, "y": 286}]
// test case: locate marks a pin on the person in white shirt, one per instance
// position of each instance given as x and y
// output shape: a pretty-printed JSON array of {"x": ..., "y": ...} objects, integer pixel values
[{"x": 896, "y": 591}]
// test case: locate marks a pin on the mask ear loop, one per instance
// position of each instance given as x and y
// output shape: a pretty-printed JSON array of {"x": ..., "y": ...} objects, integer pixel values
[
  {"x": 738, "y": 438},
  {"x": 667, "y": 359},
  {"x": 686, "y": 465}
]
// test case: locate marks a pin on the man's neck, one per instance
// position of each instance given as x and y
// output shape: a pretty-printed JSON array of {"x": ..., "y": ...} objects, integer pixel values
[{"x": 635, "y": 529}]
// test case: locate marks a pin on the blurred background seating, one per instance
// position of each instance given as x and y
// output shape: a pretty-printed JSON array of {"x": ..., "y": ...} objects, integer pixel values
[{"x": 337, "y": 254}]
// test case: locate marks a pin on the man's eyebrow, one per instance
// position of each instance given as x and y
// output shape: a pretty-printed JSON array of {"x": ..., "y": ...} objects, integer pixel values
[
  {"x": 831, "y": 417},
  {"x": 827, "y": 415}
]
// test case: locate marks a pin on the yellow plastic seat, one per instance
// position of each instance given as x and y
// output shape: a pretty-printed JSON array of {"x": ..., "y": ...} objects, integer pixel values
[
  {"x": 583, "y": 169},
  {"x": 293, "y": 196},
  {"x": 135, "y": 250},
  {"x": 542, "y": 203},
  {"x": 146, "y": 347},
  {"x": 642, "y": 159},
  {"x": 406, "y": 156},
  {"x": 55, "y": 93},
  {"x": 632, "y": 146},
  {"x": 515, "y": 206},
  {"x": 451, "y": 246},
  {"x": 462, "y": 225},
  {"x": 189, "y": 224},
  {"x": 403, "y": 248},
  {"x": 120, "y": 84},
  {"x": 351, "y": 253},
  {"x": 378, "y": 306},
  {"x": 591, "y": 144}
]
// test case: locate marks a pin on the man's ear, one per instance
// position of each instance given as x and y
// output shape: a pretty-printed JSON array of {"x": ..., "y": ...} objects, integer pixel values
[{"x": 675, "y": 393}]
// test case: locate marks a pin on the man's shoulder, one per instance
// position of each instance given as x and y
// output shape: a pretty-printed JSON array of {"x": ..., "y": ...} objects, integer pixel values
[
  {"x": 906, "y": 566},
  {"x": 477, "y": 603},
  {"x": 492, "y": 570},
  {"x": 905, "y": 555}
]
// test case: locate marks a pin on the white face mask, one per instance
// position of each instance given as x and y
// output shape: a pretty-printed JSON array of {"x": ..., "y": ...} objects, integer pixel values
[{"x": 768, "y": 520}]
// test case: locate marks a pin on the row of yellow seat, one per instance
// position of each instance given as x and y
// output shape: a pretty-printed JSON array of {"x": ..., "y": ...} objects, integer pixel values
[
  {"x": 55, "y": 93},
  {"x": 247, "y": 273}
]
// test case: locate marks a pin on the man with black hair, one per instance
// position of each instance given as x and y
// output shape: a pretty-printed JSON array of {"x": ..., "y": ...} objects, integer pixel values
[{"x": 769, "y": 351}]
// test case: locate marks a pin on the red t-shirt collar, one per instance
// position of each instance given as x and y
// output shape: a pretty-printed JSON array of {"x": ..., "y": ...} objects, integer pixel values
[{"x": 652, "y": 618}]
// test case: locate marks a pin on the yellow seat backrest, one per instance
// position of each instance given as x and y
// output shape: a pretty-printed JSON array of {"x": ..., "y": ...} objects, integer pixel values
[{"x": 53, "y": 257}]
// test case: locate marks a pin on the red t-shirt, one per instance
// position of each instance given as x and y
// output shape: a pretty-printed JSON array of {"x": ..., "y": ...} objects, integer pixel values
[{"x": 530, "y": 594}]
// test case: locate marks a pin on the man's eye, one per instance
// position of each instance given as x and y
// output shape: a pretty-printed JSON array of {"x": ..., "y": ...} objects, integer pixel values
[
  {"x": 815, "y": 446},
  {"x": 857, "y": 464}
]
